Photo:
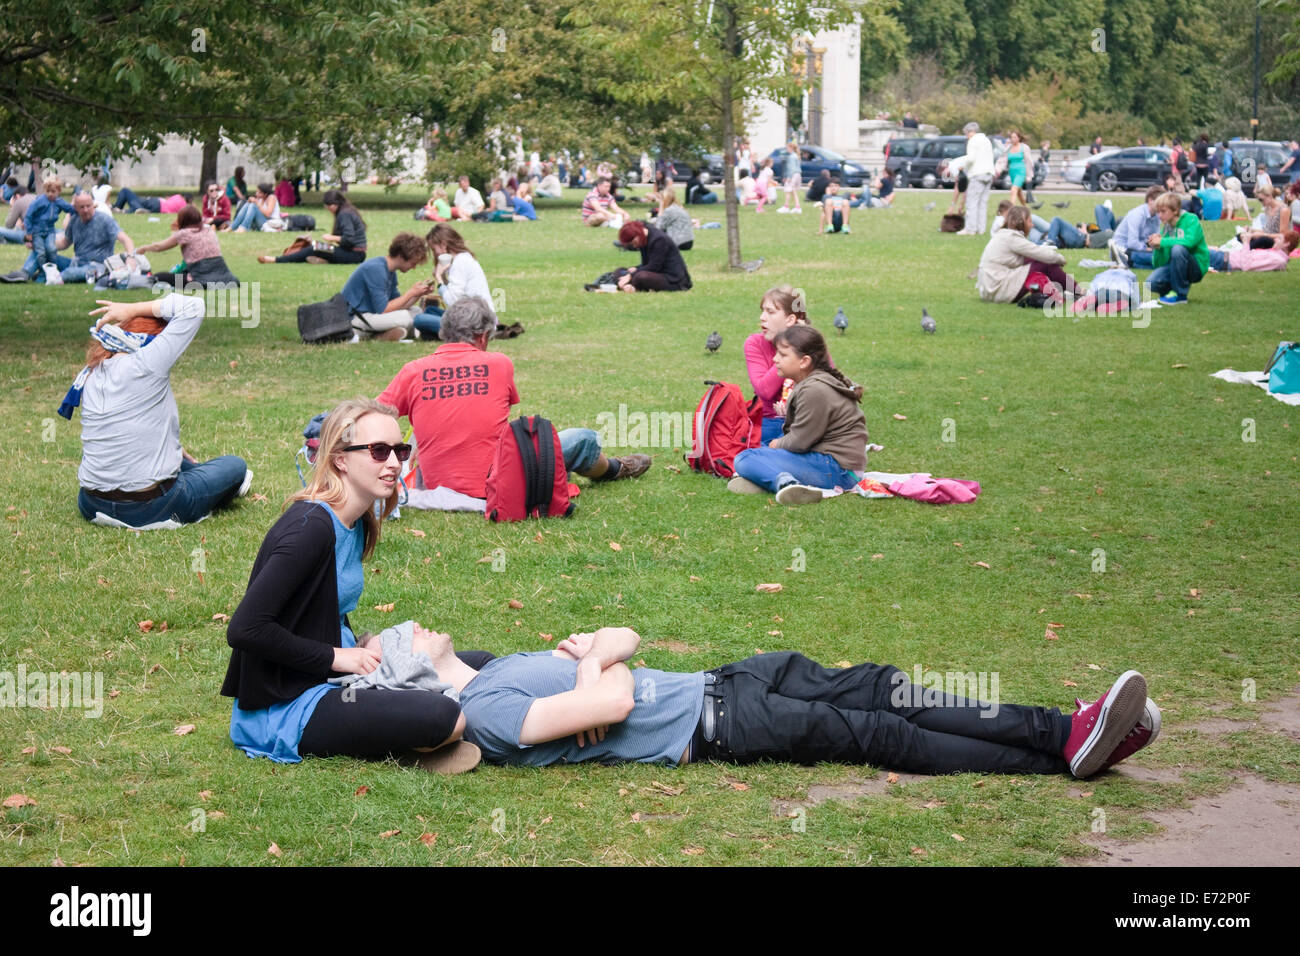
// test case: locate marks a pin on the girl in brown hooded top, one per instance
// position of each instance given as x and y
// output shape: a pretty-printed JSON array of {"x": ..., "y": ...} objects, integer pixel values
[{"x": 825, "y": 434}]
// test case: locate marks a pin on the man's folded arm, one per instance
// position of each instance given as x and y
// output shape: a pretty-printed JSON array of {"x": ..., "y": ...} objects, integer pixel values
[{"x": 605, "y": 697}]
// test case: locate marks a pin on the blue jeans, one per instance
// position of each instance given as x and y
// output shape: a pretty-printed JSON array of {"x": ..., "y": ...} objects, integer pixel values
[
  {"x": 198, "y": 490},
  {"x": 1178, "y": 275},
  {"x": 11, "y": 235},
  {"x": 1139, "y": 258},
  {"x": 249, "y": 217},
  {"x": 44, "y": 250},
  {"x": 429, "y": 322},
  {"x": 128, "y": 200},
  {"x": 30, "y": 267},
  {"x": 771, "y": 467},
  {"x": 1104, "y": 217},
  {"x": 77, "y": 270},
  {"x": 1064, "y": 236},
  {"x": 581, "y": 449},
  {"x": 1219, "y": 261},
  {"x": 772, "y": 428}
]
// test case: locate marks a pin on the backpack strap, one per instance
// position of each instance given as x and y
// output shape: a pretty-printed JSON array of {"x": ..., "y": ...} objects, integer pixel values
[
  {"x": 1282, "y": 349},
  {"x": 545, "y": 464},
  {"x": 527, "y": 457}
]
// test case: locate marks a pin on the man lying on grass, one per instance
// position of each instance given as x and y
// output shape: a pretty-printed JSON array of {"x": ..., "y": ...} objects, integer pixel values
[{"x": 581, "y": 702}]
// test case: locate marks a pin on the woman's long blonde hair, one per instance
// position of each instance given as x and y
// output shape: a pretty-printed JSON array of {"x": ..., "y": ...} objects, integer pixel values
[{"x": 326, "y": 484}]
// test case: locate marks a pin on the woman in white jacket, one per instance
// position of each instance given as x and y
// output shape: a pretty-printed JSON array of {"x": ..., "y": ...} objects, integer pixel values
[
  {"x": 1010, "y": 259},
  {"x": 457, "y": 273}
]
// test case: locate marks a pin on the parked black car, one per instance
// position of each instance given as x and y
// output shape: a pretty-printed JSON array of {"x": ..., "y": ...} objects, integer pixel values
[
  {"x": 1136, "y": 167},
  {"x": 920, "y": 161},
  {"x": 682, "y": 169},
  {"x": 813, "y": 159},
  {"x": 1251, "y": 157}
]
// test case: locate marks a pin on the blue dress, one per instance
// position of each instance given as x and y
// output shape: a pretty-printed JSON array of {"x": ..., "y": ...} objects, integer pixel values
[{"x": 276, "y": 731}]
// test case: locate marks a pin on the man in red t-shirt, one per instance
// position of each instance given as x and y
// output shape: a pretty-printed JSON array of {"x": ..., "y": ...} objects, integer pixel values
[{"x": 458, "y": 399}]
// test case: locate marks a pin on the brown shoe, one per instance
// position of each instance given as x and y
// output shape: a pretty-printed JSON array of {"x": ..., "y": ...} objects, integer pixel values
[
  {"x": 631, "y": 466},
  {"x": 460, "y": 757}
]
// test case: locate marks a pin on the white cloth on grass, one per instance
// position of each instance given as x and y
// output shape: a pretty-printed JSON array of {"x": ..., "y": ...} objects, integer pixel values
[
  {"x": 1259, "y": 380},
  {"x": 443, "y": 499}
]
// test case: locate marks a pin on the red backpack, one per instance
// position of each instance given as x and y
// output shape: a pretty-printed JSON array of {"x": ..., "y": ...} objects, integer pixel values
[
  {"x": 528, "y": 478},
  {"x": 724, "y": 426}
]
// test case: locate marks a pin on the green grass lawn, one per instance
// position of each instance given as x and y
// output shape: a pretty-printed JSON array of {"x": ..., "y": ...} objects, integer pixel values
[{"x": 1085, "y": 435}]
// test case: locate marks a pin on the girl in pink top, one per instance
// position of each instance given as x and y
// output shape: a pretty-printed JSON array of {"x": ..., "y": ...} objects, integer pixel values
[
  {"x": 763, "y": 184},
  {"x": 782, "y": 307}
]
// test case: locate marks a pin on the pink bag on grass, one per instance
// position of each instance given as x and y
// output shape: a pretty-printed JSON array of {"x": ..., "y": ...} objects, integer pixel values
[{"x": 936, "y": 491}]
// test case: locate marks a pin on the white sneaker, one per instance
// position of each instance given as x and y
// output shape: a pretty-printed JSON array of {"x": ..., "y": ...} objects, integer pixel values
[
  {"x": 797, "y": 209},
  {"x": 1117, "y": 253},
  {"x": 743, "y": 486},
  {"x": 784, "y": 209},
  {"x": 247, "y": 483},
  {"x": 797, "y": 494},
  {"x": 52, "y": 274}
]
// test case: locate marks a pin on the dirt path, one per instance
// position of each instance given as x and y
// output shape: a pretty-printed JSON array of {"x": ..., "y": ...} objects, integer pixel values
[{"x": 1254, "y": 823}]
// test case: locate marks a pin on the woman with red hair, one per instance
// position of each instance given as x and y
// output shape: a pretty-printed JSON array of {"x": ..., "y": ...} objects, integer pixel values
[
  {"x": 133, "y": 472},
  {"x": 662, "y": 267}
]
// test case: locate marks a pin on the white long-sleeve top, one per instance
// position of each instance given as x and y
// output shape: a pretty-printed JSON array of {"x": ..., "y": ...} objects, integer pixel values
[{"x": 130, "y": 427}]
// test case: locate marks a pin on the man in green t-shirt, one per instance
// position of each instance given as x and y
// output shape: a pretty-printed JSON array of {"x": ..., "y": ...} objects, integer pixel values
[{"x": 1178, "y": 251}]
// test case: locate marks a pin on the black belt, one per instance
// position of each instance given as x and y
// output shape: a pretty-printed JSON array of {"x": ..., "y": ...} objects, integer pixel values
[
  {"x": 144, "y": 494},
  {"x": 709, "y": 736}
]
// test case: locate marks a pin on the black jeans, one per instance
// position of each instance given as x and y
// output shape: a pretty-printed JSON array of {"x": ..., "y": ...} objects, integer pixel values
[
  {"x": 337, "y": 255},
  {"x": 786, "y": 707},
  {"x": 373, "y": 724}
]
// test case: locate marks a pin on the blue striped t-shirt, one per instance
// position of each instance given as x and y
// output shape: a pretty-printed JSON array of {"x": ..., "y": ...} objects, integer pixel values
[{"x": 661, "y": 724}]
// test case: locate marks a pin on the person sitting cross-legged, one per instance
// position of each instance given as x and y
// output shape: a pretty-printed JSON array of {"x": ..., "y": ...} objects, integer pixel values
[
  {"x": 458, "y": 400},
  {"x": 581, "y": 703}
]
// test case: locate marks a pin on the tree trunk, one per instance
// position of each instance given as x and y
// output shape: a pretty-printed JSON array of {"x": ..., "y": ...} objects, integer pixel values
[
  {"x": 730, "y": 38},
  {"x": 208, "y": 167}
]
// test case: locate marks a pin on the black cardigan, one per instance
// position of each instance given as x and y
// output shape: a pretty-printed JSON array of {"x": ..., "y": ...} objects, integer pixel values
[
  {"x": 284, "y": 632},
  {"x": 660, "y": 254},
  {"x": 350, "y": 230}
]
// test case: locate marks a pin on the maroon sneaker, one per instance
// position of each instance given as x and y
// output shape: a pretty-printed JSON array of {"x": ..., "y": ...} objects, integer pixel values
[
  {"x": 1098, "y": 728},
  {"x": 1147, "y": 730}
]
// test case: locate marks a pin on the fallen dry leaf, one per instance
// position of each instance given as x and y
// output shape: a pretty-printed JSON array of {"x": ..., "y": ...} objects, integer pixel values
[
  {"x": 636, "y": 817},
  {"x": 157, "y": 667},
  {"x": 1195, "y": 592},
  {"x": 274, "y": 850},
  {"x": 983, "y": 564},
  {"x": 384, "y": 608},
  {"x": 1094, "y": 667},
  {"x": 62, "y": 750},
  {"x": 664, "y": 788},
  {"x": 417, "y": 533},
  {"x": 959, "y": 838},
  {"x": 428, "y": 839},
  {"x": 692, "y": 850},
  {"x": 546, "y": 637},
  {"x": 769, "y": 588},
  {"x": 674, "y": 469},
  {"x": 1051, "y": 635},
  {"x": 842, "y": 664},
  {"x": 898, "y": 417},
  {"x": 145, "y": 626},
  {"x": 515, "y": 603},
  {"x": 216, "y": 815},
  {"x": 694, "y": 578},
  {"x": 29, "y": 751},
  {"x": 737, "y": 785},
  {"x": 389, "y": 833},
  {"x": 223, "y": 618},
  {"x": 183, "y": 729},
  {"x": 917, "y": 851},
  {"x": 205, "y": 794},
  {"x": 361, "y": 791},
  {"x": 486, "y": 559},
  {"x": 892, "y": 778},
  {"x": 538, "y": 537},
  {"x": 1085, "y": 793},
  {"x": 17, "y": 800},
  {"x": 1069, "y": 683},
  {"x": 113, "y": 694},
  {"x": 774, "y": 634},
  {"x": 1179, "y": 365},
  {"x": 234, "y": 364},
  {"x": 1054, "y": 624},
  {"x": 615, "y": 546},
  {"x": 876, "y": 557},
  {"x": 931, "y": 804}
]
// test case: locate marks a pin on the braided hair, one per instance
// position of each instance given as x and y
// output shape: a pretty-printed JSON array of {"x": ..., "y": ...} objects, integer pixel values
[{"x": 805, "y": 340}]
